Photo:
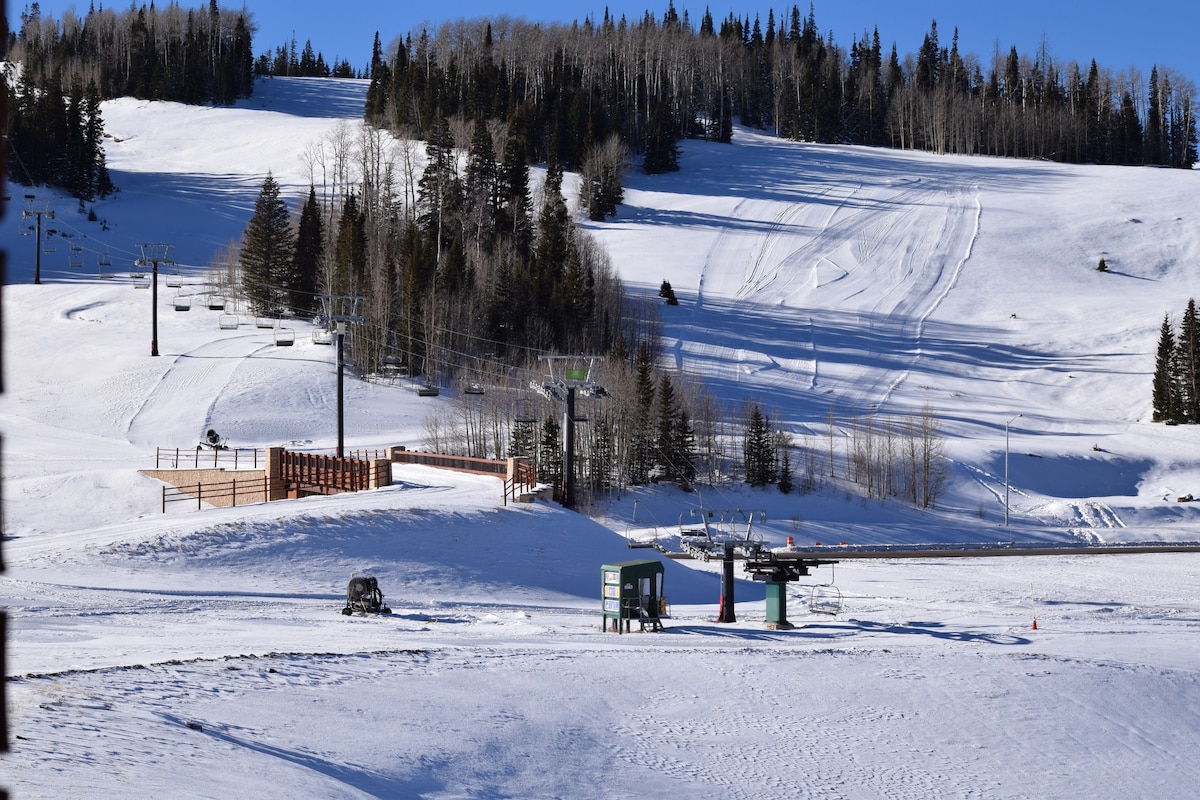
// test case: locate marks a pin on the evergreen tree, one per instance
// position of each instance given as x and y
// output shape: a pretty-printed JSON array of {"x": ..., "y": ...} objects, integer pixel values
[
  {"x": 524, "y": 440},
  {"x": 785, "y": 473},
  {"x": 668, "y": 293},
  {"x": 308, "y": 257},
  {"x": 77, "y": 157},
  {"x": 642, "y": 444},
  {"x": 1188, "y": 365},
  {"x": 101, "y": 185},
  {"x": 268, "y": 247},
  {"x": 666, "y": 439},
  {"x": 1165, "y": 390},
  {"x": 516, "y": 204},
  {"x": 685, "y": 447},
  {"x": 1154, "y": 123},
  {"x": 662, "y": 149},
  {"x": 481, "y": 187},
  {"x": 439, "y": 189},
  {"x": 758, "y": 451},
  {"x": 350, "y": 249},
  {"x": 552, "y": 251}
]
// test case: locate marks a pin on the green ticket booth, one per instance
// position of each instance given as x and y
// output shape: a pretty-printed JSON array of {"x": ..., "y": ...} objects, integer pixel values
[{"x": 633, "y": 590}]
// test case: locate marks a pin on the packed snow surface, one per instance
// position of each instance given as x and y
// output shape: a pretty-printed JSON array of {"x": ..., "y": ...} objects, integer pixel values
[{"x": 202, "y": 653}]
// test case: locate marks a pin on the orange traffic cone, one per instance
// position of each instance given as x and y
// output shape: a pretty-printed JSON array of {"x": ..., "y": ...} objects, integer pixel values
[{"x": 1034, "y": 628}]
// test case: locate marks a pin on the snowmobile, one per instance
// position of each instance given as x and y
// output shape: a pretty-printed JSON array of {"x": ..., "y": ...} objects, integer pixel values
[{"x": 363, "y": 595}]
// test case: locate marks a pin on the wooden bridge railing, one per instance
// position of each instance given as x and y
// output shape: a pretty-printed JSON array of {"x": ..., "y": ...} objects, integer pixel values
[
  {"x": 480, "y": 466},
  {"x": 327, "y": 473}
]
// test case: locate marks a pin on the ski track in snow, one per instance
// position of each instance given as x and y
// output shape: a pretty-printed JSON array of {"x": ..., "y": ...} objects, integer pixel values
[
  {"x": 184, "y": 397},
  {"x": 773, "y": 271},
  {"x": 934, "y": 292},
  {"x": 934, "y": 257}
]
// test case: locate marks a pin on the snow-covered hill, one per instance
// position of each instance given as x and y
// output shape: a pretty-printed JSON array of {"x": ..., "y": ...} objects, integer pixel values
[{"x": 810, "y": 278}]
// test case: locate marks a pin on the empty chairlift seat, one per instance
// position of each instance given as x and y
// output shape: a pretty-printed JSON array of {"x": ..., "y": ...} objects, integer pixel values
[
  {"x": 229, "y": 322},
  {"x": 285, "y": 337}
]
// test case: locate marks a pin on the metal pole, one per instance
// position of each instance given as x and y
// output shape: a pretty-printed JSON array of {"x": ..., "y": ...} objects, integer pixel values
[
  {"x": 37, "y": 261},
  {"x": 341, "y": 428},
  {"x": 153, "y": 254},
  {"x": 727, "y": 583},
  {"x": 1006, "y": 469},
  {"x": 569, "y": 451},
  {"x": 154, "y": 310}
]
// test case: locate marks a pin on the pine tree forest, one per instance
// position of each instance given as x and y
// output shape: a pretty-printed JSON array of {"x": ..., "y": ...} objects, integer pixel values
[
  {"x": 195, "y": 56},
  {"x": 653, "y": 82}
]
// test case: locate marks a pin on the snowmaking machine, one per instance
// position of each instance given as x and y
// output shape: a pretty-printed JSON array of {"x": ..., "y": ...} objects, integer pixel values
[
  {"x": 363, "y": 595},
  {"x": 213, "y": 441}
]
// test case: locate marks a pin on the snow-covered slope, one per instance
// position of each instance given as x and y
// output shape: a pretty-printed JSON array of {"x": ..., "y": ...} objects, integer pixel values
[{"x": 201, "y": 654}]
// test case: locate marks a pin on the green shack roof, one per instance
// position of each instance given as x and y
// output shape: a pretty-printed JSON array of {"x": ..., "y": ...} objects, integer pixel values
[{"x": 635, "y": 563}]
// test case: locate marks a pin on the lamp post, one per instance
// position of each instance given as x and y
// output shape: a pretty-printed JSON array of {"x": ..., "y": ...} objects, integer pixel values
[{"x": 1006, "y": 469}]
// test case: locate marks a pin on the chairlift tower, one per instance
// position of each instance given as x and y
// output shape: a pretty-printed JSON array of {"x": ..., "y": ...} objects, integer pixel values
[
  {"x": 154, "y": 254},
  {"x": 45, "y": 211},
  {"x": 339, "y": 311},
  {"x": 561, "y": 388}
]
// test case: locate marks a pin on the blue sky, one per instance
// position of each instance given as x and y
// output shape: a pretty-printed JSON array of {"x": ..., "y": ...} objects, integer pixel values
[{"x": 1117, "y": 35}]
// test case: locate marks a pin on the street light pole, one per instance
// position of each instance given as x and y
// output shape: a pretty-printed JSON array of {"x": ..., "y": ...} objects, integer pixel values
[{"x": 1006, "y": 469}]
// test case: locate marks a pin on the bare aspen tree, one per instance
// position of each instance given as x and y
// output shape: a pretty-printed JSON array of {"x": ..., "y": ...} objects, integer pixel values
[
  {"x": 933, "y": 470},
  {"x": 829, "y": 427}
]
